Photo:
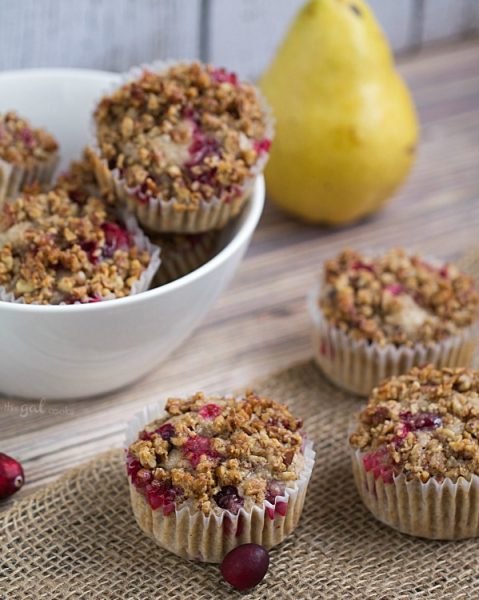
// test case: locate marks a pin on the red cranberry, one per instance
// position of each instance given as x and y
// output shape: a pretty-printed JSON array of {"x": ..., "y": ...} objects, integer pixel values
[
  {"x": 160, "y": 494},
  {"x": 196, "y": 447},
  {"x": 145, "y": 435},
  {"x": 245, "y": 566},
  {"x": 421, "y": 420},
  {"x": 262, "y": 146},
  {"x": 275, "y": 488},
  {"x": 223, "y": 76},
  {"x": 359, "y": 265},
  {"x": 116, "y": 238},
  {"x": 209, "y": 411},
  {"x": 379, "y": 462},
  {"x": 142, "y": 478},
  {"x": 166, "y": 431},
  {"x": 132, "y": 466},
  {"x": 395, "y": 289},
  {"x": 228, "y": 498},
  {"x": 90, "y": 247},
  {"x": 26, "y": 135},
  {"x": 11, "y": 476}
]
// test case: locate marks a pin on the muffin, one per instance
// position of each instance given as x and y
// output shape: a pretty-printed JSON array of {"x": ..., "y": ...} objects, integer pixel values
[
  {"x": 379, "y": 316},
  {"x": 210, "y": 473},
  {"x": 54, "y": 251},
  {"x": 185, "y": 143},
  {"x": 181, "y": 254},
  {"x": 415, "y": 453},
  {"x": 27, "y": 155}
]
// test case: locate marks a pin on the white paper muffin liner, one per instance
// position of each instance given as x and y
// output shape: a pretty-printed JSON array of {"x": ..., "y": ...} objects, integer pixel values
[
  {"x": 436, "y": 510},
  {"x": 178, "y": 263},
  {"x": 188, "y": 533},
  {"x": 14, "y": 178},
  {"x": 160, "y": 215},
  {"x": 358, "y": 365},
  {"x": 144, "y": 281}
]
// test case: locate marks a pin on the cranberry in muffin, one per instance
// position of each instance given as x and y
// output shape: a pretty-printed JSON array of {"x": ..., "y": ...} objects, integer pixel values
[{"x": 397, "y": 298}]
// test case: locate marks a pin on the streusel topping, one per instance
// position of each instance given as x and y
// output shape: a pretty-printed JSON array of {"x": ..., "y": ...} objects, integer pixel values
[
  {"x": 54, "y": 250},
  {"x": 22, "y": 145},
  {"x": 396, "y": 298},
  {"x": 424, "y": 424},
  {"x": 86, "y": 178},
  {"x": 190, "y": 133},
  {"x": 217, "y": 453}
]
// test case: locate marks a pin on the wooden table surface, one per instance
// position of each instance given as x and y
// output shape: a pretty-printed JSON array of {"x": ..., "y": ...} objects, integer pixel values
[{"x": 261, "y": 324}]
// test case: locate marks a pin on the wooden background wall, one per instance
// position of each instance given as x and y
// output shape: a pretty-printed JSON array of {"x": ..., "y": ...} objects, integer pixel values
[{"x": 242, "y": 34}]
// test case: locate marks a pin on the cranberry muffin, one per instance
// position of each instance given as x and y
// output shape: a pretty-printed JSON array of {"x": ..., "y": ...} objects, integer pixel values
[
  {"x": 185, "y": 143},
  {"x": 379, "y": 316},
  {"x": 211, "y": 473},
  {"x": 27, "y": 155},
  {"x": 415, "y": 453},
  {"x": 55, "y": 251}
]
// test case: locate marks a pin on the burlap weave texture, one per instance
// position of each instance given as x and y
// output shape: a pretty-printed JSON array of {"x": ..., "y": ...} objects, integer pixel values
[{"x": 77, "y": 539}]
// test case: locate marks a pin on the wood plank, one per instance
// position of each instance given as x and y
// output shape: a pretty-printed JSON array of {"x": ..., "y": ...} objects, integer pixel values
[
  {"x": 261, "y": 323},
  {"x": 97, "y": 33}
]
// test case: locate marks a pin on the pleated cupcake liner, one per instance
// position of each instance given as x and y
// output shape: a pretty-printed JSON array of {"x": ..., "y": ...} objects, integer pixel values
[
  {"x": 359, "y": 365},
  {"x": 169, "y": 215},
  {"x": 141, "y": 241},
  {"x": 178, "y": 263},
  {"x": 188, "y": 533},
  {"x": 443, "y": 510},
  {"x": 14, "y": 178}
]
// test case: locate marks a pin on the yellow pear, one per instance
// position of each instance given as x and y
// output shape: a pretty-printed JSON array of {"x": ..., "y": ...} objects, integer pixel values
[{"x": 346, "y": 127}]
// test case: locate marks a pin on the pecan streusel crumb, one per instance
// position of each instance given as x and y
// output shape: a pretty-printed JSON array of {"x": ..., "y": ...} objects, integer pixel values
[
  {"x": 397, "y": 298},
  {"x": 218, "y": 453},
  {"x": 20, "y": 144},
  {"x": 190, "y": 134},
  {"x": 424, "y": 424}
]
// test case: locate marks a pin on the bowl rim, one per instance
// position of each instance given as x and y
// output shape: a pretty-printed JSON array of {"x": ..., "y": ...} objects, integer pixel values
[{"x": 253, "y": 210}]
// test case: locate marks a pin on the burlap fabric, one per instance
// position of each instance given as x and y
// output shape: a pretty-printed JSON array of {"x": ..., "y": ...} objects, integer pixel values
[{"x": 77, "y": 539}]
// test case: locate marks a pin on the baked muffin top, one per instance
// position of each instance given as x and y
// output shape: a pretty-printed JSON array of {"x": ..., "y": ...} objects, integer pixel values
[
  {"x": 53, "y": 250},
  {"x": 22, "y": 145},
  {"x": 87, "y": 177},
  {"x": 396, "y": 298},
  {"x": 190, "y": 133},
  {"x": 217, "y": 453},
  {"x": 424, "y": 424}
]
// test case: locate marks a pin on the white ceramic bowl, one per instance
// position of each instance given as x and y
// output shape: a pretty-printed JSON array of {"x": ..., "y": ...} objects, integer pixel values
[{"x": 65, "y": 352}]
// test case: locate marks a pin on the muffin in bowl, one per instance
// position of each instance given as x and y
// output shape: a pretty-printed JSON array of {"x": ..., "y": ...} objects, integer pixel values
[
  {"x": 211, "y": 473},
  {"x": 56, "y": 251},
  {"x": 27, "y": 155},
  {"x": 374, "y": 317},
  {"x": 184, "y": 142}
]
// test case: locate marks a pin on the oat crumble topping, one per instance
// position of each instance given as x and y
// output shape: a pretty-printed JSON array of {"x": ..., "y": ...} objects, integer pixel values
[
  {"x": 396, "y": 298},
  {"x": 424, "y": 424},
  {"x": 217, "y": 453},
  {"x": 191, "y": 133},
  {"x": 87, "y": 177},
  {"x": 54, "y": 250},
  {"x": 22, "y": 145}
]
